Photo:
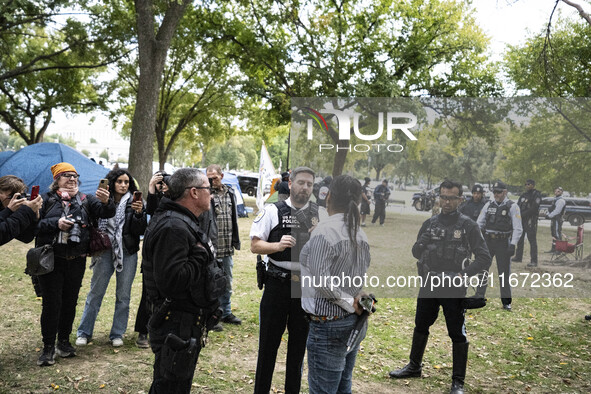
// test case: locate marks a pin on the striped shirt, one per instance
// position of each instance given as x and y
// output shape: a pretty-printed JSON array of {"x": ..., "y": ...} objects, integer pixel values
[{"x": 332, "y": 269}]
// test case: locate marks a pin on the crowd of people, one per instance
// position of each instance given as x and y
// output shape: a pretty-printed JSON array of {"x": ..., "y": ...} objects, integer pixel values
[{"x": 187, "y": 264}]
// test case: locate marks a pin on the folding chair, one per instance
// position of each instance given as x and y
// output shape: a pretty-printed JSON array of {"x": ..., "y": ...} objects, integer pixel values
[{"x": 563, "y": 248}]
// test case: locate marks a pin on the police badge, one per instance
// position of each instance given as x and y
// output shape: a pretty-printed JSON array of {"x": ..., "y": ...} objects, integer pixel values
[{"x": 458, "y": 234}]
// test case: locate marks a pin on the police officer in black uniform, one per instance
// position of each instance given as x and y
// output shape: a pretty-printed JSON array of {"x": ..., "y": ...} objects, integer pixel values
[
  {"x": 183, "y": 281},
  {"x": 500, "y": 220},
  {"x": 473, "y": 207},
  {"x": 529, "y": 205},
  {"x": 444, "y": 244},
  {"x": 280, "y": 231}
]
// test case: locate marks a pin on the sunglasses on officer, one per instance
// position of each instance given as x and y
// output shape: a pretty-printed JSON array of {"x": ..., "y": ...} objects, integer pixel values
[{"x": 449, "y": 198}]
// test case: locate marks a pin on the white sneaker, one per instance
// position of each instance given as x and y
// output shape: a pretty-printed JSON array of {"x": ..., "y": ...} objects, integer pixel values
[
  {"x": 117, "y": 342},
  {"x": 81, "y": 341}
]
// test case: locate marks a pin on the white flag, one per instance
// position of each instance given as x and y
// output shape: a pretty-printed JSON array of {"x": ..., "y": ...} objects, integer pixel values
[{"x": 266, "y": 175}]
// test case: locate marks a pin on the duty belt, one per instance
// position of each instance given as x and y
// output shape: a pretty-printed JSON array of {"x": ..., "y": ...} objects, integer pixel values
[
  {"x": 498, "y": 235},
  {"x": 276, "y": 272},
  {"x": 323, "y": 319}
]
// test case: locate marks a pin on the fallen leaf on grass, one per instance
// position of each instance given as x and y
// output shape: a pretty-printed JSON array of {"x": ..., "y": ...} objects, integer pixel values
[
  {"x": 102, "y": 386},
  {"x": 530, "y": 338}
]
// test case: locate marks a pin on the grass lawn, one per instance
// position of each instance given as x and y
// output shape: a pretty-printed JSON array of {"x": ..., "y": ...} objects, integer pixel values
[{"x": 543, "y": 346}]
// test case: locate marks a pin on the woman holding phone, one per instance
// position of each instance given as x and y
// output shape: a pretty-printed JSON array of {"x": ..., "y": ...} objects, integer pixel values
[{"x": 124, "y": 231}]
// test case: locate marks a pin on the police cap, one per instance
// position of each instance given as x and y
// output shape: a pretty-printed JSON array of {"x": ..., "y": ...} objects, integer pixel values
[
  {"x": 499, "y": 186},
  {"x": 477, "y": 188},
  {"x": 530, "y": 182}
]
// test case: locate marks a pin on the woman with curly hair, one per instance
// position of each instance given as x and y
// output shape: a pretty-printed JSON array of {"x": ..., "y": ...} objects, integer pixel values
[{"x": 124, "y": 231}]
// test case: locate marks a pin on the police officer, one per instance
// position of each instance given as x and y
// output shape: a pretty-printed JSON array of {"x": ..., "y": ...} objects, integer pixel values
[
  {"x": 556, "y": 214},
  {"x": 443, "y": 245},
  {"x": 183, "y": 282},
  {"x": 473, "y": 207},
  {"x": 500, "y": 220},
  {"x": 280, "y": 231},
  {"x": 381, "y": 195},
  {"x": 365, "y": 200},
  {"x": 529, "y": 205}
]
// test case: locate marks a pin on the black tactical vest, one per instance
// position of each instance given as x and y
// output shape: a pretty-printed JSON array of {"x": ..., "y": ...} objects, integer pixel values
[
  {"x": 449, "y": 245},
  {"x": 197, "y": 293},
  {"x": 295, "y": 223},
  {"x": 553, "y": 207},
  {"x": 528, "y": 199},
  {"x": 472, "y": 209},
  {"x": 498, "y": 218}
]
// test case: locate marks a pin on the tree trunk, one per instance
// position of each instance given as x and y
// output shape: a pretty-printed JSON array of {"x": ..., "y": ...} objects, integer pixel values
[{"x": 152, "y": 51}]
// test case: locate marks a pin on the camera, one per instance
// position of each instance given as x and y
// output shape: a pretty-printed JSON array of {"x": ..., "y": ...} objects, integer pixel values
[
  {"x": 165, "y": 178},
  {"x": 76, "y": 230}
]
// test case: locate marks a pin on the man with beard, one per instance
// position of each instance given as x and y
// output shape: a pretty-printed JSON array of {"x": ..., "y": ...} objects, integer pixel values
[
  {"x": 443, "y": 246},
  {"x": 280, "y": 231},
  {"x": 529, "y": 204},
  {"x": 473, "y": 207}
]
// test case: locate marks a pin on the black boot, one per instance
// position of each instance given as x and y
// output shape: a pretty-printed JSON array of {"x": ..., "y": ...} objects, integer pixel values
[
  {"x": 460, "y": 360},
  {"x": 414, "y": 368}
]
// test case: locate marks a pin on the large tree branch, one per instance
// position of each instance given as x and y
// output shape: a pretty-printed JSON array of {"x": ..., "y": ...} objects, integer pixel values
[{"x": 582, "y": 12}]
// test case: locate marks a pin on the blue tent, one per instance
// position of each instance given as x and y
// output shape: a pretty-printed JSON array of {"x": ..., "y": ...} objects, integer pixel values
[
  {"x": 5, "y": 155},
  {"x": 232, "y": 181},
  {"x": 33, "y": 164}
]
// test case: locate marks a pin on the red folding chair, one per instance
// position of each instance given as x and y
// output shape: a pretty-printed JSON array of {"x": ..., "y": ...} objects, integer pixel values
[{"x": 566, "y": 250}]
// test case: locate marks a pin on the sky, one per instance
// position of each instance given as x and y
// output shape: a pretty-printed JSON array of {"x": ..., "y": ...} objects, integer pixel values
[{"x": 505, "y": 21}]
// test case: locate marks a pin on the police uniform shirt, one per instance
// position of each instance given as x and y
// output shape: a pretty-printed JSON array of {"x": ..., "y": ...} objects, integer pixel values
[
  {"x": 515, "y": 214},
  {"x": 263, "y": 223}
]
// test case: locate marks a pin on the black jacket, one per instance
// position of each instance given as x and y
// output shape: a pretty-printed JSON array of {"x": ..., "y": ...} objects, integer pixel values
[
  {"x": 52, "y": 211},
  {"x": 20, "y": 224},
  {"x": 134, "y": 227},
  {"x": 477, "y": 246},
  {"x": 174, "y": 261}
]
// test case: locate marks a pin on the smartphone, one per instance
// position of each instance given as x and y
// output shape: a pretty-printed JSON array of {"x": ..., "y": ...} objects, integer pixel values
[
  {"x": 137, "y": 196},
  {"x": 34, "y": 192},
  {"x": 104, "y": 184}
]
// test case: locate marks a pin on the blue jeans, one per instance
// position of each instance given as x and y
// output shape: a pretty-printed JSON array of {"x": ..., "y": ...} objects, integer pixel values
[
  {"x": 330, "y": 365},
  {"x": 101, "y": 275},
  {"x": 225, "y": 302}
]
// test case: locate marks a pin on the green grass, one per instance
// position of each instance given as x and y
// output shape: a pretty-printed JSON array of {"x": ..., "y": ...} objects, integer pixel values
[{"x": 542, "y": 347}]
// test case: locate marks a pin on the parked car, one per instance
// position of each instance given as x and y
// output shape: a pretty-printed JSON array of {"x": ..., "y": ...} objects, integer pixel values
[
  {"x": 248, "y": 184},
  {"x": 578, "y": 210}
]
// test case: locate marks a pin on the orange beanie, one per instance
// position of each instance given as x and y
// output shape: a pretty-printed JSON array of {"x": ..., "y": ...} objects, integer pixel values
[{"x": 59, "y": 168}]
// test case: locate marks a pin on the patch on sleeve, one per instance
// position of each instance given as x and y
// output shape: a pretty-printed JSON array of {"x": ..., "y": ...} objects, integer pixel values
[{"x": 259, "y": 216}]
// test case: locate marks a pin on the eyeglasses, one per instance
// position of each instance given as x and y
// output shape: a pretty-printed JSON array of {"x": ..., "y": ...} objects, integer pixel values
[
  {"x": 449, "y": 198},
  {"x": 69, "y": 176},
  {"x": 199, "y": 187}
]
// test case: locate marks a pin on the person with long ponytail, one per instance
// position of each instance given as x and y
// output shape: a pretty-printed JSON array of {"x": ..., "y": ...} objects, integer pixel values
[{"x": 338, "y": 247}]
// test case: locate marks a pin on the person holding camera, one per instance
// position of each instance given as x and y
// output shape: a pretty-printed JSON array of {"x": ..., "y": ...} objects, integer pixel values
[
  {"x": 280, "y": 231},
  {"x": 18, "y": 215},
  {"x": 124, "y": 231},
  {"x": 183, "y": 281},
  {"x": 64, "y": 222},
  {"x": 444, "y": 245},
  {"x": 157, "y": 188},
  {"x": 337, "y": 248}
]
